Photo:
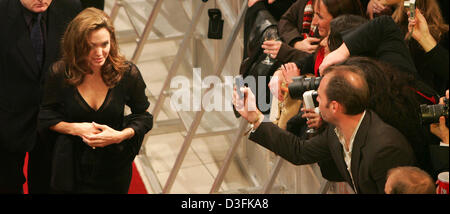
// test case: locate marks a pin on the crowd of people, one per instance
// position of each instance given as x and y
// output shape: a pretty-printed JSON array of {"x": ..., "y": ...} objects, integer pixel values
[{"x": 379, "y": 61}]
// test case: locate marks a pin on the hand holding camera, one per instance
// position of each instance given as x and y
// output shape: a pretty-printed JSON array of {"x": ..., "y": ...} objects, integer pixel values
[
  {"x": 305, "y": 89},
  {"x": 418, "y": 27},
  {"x": 314, "y": 121},
  {"x": 311, "y": 111},
  {"x": 246, "y": 106},
  {"x": 439, "y": 111}
]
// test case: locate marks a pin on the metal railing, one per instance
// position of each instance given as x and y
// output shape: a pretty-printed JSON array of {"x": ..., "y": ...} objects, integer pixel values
[{"x": 191, "y": 131}]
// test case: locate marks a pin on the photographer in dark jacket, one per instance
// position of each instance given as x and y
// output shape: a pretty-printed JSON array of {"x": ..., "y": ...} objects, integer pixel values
[
  {"x": 352, "y": 138},
  {"x": 382, "y": 40}
]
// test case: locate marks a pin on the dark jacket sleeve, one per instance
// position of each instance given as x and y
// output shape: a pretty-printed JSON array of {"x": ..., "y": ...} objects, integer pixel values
[
  {"x": 140, "y": 120},
  {"x": 382, "y": 39},
  {"x": 52, "y": 105},
  {"x": 435, "y": 64},
  {"x": 437, "y": 58},
  {"x": 290, "y": 27},
  {"x": 290, "y": 54},
  {"x": 291, "y": 147},
  {"x": 306, "y": 64}
]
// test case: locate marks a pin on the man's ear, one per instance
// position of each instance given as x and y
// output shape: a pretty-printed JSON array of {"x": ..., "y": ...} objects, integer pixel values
[{"x": 334, "y": 106}]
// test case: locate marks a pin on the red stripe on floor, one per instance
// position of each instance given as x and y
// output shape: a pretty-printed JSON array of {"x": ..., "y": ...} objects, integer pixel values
[
  {"x": 25, "y": 170},
  {"x": 137, "y": 185}
]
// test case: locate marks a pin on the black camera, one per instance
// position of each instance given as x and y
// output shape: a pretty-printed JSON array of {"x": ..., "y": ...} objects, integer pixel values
[
  {"x": 215, "y": 29},
  {"x": 301, "y": 84},
  {"x": 432, "y": 113}
]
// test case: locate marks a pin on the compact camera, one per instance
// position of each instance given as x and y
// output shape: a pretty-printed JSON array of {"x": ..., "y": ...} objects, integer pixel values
[
  {"x": 301, "y": 84},
  {"x": 411, "y": 5},
  {"x": 310, "y": 101},
  {"x": 239, "y": 83},
  {"x": 432, "y": 113}
]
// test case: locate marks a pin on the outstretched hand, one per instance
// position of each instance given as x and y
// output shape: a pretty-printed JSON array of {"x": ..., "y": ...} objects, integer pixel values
[
  {"x": 284, "y": 74},
  {"x": 290, "y": 70},
  {"x": 337, "y": 56}
]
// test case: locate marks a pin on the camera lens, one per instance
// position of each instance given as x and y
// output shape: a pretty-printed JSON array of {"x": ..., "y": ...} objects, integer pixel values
[
  {"x": 431, "y": 113},
  {"x": 302, "y": 84}
]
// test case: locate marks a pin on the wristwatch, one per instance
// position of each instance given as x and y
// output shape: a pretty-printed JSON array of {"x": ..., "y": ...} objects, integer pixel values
[{"x": 252, "y": 124}]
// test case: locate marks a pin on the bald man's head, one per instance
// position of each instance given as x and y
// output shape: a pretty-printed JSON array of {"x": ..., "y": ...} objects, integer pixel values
[
  {"x": 347, "y": 86},
  {"x": 409, "y": 180}
]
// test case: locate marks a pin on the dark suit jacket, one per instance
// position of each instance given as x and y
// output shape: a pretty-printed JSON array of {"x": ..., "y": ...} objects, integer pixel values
[
  {"x": 377, "y": 148},
  {"x": 20, "y": 81}
]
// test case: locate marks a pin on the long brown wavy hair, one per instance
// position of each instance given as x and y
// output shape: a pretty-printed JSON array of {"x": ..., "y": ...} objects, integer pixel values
[
  {"x": 432, "y": 13},
  {"x": 75, "y": 48}
]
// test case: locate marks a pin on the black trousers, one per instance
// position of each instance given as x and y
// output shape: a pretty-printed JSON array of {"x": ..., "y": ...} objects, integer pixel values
[
  {"x": 12, "y": 177},
  {"x": 39, "y": 167}
]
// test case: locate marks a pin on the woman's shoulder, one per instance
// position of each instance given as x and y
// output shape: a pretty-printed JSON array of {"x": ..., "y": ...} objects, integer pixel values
[
  {"x": 131, "y": 78},
  {"x": 131, "y": 71}
]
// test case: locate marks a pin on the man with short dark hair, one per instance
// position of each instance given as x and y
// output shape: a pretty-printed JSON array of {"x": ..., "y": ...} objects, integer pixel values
[
  {"x": 363, "y": 147},
  {"x": 409, "y": 180}
]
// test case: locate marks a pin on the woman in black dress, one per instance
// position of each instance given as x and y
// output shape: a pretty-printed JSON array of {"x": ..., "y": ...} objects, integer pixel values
[{"x": 82, "y": 111}]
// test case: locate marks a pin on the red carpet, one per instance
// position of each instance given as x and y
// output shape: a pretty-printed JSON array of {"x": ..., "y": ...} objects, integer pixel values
[{"x": 136, "y": 186}]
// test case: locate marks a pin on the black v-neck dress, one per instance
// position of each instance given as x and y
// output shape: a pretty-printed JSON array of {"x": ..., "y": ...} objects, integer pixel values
[{"x": 76, "y": 167}]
